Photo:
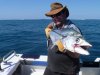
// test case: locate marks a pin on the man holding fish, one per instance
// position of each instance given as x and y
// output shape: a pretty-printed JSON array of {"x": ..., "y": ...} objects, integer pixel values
[{"x": 65, "y": 43}]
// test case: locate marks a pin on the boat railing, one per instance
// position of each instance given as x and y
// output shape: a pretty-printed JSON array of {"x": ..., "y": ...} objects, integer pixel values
[{"x": 8, "y": 56}]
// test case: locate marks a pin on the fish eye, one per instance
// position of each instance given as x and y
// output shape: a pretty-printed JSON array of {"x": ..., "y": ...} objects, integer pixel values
[{"x": 77, "y": 40}]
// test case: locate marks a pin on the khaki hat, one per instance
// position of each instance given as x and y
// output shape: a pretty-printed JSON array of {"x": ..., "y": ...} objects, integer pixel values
[{"x": 56, "y": 8}]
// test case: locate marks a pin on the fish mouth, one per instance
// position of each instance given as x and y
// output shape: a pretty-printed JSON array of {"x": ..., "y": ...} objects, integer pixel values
[
  {"x": 85, "y": 47},
  {"x": 82, "y": 49}
]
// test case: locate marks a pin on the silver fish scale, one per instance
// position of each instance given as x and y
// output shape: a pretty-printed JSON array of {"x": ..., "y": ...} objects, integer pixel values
[{"x": 67, "y": 31}]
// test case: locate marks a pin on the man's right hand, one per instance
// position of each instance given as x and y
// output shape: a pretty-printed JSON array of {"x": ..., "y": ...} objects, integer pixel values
[{"x": 48, "y": 30}]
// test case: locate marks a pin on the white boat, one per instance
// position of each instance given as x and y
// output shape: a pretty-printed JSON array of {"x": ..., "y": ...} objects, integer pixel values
[{"x": 16, "y": 64}]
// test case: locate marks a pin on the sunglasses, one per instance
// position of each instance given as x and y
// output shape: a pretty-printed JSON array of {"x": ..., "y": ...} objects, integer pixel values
[{"x": 58, "y": 14}]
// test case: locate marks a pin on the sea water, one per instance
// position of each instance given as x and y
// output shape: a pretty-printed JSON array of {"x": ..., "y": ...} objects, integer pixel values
[{"x": 28, "y": 36}]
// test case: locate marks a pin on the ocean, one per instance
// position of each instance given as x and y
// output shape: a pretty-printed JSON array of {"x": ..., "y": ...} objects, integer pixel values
[{"x": 28, "y": 36}]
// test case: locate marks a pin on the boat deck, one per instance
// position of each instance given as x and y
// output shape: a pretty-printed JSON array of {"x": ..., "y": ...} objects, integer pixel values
[{"x": 16, "y": 65}]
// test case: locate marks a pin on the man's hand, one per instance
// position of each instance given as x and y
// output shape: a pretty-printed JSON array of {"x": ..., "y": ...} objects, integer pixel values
[
  {"x": 60, "y": 46},
  {"x": 48, "y": 30},
  {"x": 63, "y": 50}
]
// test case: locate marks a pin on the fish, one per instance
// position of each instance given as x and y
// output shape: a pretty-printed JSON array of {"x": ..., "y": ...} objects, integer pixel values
[{"x": 71, "y": 39}]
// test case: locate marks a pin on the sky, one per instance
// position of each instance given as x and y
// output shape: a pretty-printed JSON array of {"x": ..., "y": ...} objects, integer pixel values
[{"x": 35, "y": 9}]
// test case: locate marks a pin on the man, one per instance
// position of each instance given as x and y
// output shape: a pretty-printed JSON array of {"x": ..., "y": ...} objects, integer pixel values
[{"x": 59, "y": 61}]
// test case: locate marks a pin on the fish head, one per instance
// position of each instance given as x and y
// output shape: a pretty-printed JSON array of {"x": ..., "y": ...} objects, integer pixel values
[{"x": 76, "y": 43}]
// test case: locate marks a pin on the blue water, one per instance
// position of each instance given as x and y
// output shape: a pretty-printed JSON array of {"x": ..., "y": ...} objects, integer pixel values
[{"x": 28, "y": 36}]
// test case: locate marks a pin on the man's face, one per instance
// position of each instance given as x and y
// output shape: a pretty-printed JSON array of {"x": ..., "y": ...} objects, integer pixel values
[{"x": 59, "y": 18}]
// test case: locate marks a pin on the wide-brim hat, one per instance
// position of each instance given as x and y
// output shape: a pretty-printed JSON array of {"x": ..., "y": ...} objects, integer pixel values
[{"x": 56, "y": 8}]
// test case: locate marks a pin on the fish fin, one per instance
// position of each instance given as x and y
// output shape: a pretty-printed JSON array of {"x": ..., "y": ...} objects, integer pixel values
[{"x": 60, "y": 46}]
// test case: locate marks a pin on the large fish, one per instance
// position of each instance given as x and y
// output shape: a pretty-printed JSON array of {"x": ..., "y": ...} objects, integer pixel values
[{"x": 72, "y": 40}]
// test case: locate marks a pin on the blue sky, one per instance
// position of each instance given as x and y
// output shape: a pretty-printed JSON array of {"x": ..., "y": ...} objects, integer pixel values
[{"x": 35, "y": 9}]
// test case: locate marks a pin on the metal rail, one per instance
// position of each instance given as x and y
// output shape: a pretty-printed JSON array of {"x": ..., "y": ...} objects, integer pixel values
[{"x": 9, "y": 55}]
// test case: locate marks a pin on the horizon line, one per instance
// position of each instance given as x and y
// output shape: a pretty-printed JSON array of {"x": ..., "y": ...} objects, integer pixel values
[{"x": 50, "y": 19}]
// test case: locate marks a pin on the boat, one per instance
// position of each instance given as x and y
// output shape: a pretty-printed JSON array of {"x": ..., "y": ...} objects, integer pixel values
[{"x": 17, "y": 64}]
